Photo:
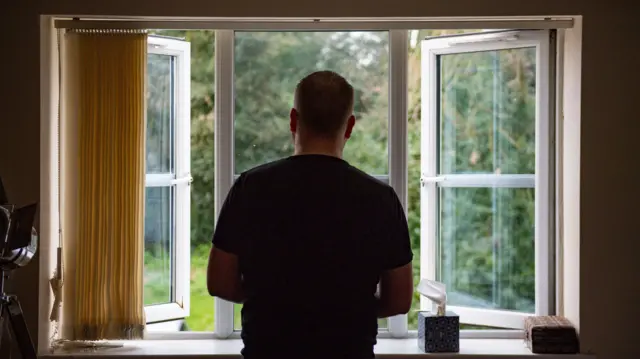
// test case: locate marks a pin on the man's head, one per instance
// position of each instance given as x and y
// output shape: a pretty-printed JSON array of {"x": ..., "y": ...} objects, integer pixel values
[{"x": 323, "y": 109}]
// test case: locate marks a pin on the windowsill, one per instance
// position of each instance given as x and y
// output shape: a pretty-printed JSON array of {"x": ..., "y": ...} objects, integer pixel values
[{"x": 386, "y": 348}]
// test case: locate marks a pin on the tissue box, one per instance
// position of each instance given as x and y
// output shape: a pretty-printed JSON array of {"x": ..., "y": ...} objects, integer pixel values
[
  {"x": 551, "y": 335},
  {"x": 439, "y": 334}
]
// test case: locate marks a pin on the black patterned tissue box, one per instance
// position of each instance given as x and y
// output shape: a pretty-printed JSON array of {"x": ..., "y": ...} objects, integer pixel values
[{"x": 439, "y": 334}]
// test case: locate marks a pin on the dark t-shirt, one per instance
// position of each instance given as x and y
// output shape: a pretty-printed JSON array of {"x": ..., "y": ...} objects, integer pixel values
[{"x": 313, "y": 235}]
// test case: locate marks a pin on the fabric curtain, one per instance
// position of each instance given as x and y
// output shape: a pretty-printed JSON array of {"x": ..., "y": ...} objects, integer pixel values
[{"x": 102, "y": 183}]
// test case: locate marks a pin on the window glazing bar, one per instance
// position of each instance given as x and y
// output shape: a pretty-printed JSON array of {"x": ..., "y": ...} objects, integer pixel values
[
  {"x": 398, "y": 146},
  {"x": 159, "y": 179},
  {"x": 483, "y": 180},
  {"x": 223, "y": 152}
]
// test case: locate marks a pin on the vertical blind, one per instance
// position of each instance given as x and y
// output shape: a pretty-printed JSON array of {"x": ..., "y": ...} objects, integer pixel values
[{"x": 102, "y": 183}]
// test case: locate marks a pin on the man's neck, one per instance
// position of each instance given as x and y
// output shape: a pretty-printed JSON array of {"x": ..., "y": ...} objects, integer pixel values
[
  {"x": 325, "y": 152},
  {"x": 318, "y": 148}
]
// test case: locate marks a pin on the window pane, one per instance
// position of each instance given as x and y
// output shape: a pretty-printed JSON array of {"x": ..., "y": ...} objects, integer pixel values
[
  {"x": 268, "y": 65},
  {"x": 486, "y": 247},
  {"x": 487, "y": 112},
  {"x": 267, "y": 68},
  {"x": 158, "y": 245},
  {"x": 414, "y": 137},
  {"x": 159, "y": 113},
  {"x": 202, "y": 61}
]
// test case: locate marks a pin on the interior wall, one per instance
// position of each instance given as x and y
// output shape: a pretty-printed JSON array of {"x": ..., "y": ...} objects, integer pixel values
[
  {"x": 609, "y": 284},
  {"x": 569, "y": 180},
  {"x": 20, "y": 139},
  {"x": 609, "y": 192}
]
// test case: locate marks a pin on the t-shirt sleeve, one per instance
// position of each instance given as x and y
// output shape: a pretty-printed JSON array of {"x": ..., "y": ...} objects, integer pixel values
[
  {"x": 230, "y": 230},
  {"x": 397, "y": 251}
]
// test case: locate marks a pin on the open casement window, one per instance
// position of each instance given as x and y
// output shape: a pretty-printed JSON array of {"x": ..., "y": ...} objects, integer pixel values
[
  {"x": 167, "y": 195},
  {"x": 486, "y": 195}
]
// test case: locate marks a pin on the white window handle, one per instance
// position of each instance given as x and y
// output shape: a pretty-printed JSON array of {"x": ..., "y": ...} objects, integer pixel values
[
  {"x": 431, "y": 179},
  {"x": 186, "y": 179}
]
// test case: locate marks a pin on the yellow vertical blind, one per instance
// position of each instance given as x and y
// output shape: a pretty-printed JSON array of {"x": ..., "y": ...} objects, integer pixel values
[{"x": 102, "y": 183}]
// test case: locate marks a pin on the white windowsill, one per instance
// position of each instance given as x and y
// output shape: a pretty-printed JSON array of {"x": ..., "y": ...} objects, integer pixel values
[{"x": 386, "y": 348}]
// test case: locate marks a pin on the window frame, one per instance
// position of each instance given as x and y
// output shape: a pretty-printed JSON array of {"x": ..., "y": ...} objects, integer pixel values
[
  {"x": 224, "y": 171},
  {"x": 179, "y": 180},
  {"x": 224, "y": 108},
  {"x": 542, "y": 180}
]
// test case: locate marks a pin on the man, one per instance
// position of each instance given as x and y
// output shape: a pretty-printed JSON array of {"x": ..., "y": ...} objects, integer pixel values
[{"x": 304, "y": 241}]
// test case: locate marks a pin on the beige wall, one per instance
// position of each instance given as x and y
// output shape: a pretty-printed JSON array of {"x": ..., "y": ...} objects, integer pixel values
[{"x": 609, "y": 236}]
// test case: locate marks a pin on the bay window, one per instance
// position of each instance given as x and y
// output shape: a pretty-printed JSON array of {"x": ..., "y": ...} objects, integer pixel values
[{"x": 459, "y": 123}]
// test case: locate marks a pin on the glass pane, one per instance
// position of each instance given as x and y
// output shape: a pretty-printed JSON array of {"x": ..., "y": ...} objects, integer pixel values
[
  {"x": 159, "y": 113},
  {"x": 202, "y": 61},
  {"x": 268, "y": 66},
  {"x": 486, "y": 247},
  {"x": 414, "y": 136},
  {"x": 158, "y": 245},
  {"x": 487, "y": 112}
]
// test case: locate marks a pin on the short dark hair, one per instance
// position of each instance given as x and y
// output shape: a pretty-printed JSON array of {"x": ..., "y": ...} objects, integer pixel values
[{"x": 324, "y": 101}]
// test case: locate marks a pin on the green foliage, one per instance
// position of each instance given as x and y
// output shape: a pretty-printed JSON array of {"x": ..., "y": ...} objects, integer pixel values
[
  {"x": 202, "y": 311},
  {"x": 487, "y": 112},
  {"x": 268, "y": 65}
]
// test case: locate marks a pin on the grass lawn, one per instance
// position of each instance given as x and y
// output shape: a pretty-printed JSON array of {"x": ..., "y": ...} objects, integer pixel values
[{"x": 157, "y": 289}]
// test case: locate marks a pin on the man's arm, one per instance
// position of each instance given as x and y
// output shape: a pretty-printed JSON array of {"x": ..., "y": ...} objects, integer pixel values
[
  {"x": 224, "y": 279},
  {"x": 223, "y": 276},
  {"x": 396, "y": 278},
  {"x": 396, "y": 291}
]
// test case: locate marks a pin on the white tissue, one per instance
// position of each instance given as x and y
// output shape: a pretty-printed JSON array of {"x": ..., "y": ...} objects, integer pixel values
[{"x": 436, "y": 292}]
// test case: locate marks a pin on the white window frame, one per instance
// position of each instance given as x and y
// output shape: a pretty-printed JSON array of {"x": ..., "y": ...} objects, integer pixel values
[
  {"x": 224, "y": 112},
  {"x": 179, "y": 180},
  {"x": 397, "y": 326},
  {"x": 541, "y": 180},
  {"x": 224, "y": 156}
]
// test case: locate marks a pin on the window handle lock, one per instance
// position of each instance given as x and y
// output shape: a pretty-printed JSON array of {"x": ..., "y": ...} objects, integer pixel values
[
  {"x": 180, "y": 180},
  {"x": 431, "y": 179}
]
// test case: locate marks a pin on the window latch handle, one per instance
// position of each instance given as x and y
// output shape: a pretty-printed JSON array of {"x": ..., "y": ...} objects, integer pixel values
[
  {"x": 431, "y": 179},
  {"x": 181, "y": 180}
]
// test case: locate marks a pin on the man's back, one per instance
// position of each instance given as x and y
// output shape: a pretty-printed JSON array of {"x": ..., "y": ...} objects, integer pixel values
[{"x": 313, "y": 235}]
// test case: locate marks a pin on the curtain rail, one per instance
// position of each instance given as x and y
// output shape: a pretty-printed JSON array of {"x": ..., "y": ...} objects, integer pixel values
[{"x": 321, "y": 24}]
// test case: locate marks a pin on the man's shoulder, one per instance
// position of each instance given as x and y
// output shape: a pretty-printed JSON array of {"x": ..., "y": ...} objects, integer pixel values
[
  {"x": 283, "y": 165},
  {"x": 266, "y": 169},
  {"x": 369, "y": 182},
  {"x": 349, "y": 176}
]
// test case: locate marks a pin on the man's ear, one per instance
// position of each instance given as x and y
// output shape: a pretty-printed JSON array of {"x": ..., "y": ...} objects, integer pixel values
[
  {"x": 293, "y": 120},
  {"x": 350, "y": 123}
]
